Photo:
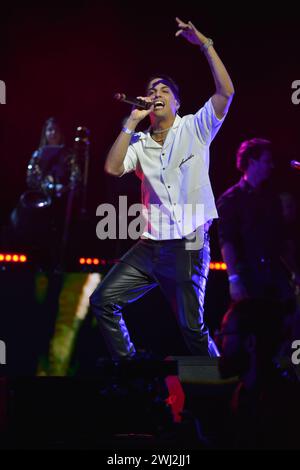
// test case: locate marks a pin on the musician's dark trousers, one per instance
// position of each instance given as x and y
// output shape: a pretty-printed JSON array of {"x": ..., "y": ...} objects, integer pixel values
[{"x": 181, "y": 275}]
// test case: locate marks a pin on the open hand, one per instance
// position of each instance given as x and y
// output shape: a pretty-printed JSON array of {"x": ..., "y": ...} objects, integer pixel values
[{"x": 190, "y": 32}]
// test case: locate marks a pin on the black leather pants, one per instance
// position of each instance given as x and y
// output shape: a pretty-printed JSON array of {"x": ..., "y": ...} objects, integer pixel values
[{"x": 181, "y": 274}]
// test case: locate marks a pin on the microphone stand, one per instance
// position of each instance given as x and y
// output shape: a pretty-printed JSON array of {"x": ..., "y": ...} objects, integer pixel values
[
  {"x": 82, "y": 137},
  {"x": 66, "y": 228},
  {"x": 83, "y": 146}
]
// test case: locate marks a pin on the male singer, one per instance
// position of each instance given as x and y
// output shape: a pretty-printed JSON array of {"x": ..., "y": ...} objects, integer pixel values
[{"x": 172, "y": 159}]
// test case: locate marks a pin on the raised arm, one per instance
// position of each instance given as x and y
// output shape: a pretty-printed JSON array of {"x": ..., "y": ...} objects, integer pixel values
[
  {"x": 114, "y": 161},
  {"x": 224, "y": 88}
]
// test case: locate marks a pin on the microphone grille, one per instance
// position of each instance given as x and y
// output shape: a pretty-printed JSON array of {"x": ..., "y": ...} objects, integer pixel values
[{"x": 119, "y": 96}]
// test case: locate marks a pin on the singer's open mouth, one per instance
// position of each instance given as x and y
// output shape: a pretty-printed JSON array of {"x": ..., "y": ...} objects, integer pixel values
[{"x": 159, "y": 104}]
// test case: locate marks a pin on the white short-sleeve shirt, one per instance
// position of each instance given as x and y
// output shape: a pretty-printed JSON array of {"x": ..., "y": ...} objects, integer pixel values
[{"x": 176, "y": 191}]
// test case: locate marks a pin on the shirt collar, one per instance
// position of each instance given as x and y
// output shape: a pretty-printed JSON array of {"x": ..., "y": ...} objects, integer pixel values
[{"x": 150, "y": 143}]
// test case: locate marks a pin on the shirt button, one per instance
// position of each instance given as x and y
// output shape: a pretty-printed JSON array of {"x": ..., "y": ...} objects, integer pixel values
[
  {"x": 169, "y": 186},
  {"x": 163, "y": 154},
  {"x": 163, "y": 168}
]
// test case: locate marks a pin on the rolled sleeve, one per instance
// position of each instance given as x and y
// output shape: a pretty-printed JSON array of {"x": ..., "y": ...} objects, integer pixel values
[
  {"x": 207, "y": 124},
  {"x": 130, "y": 161}
]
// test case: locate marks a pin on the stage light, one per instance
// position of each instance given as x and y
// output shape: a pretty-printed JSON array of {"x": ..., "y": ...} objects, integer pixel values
[
  {"x": 213, "y": 266},
  {"x": 12, "y": 258},
  {"x": 93, "y": 261},
  {"x": 217, "y": 266}
]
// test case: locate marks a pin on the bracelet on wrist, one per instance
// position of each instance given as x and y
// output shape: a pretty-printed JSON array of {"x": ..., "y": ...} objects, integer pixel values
[
  {"x": 234, "y": 278},
  {"x": 206, "y": 45},
  {"x": 127, "y": 131}
]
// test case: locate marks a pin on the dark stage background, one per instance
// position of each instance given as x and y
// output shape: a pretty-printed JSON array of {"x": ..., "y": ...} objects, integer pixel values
[{"x": 68, "y": 60}]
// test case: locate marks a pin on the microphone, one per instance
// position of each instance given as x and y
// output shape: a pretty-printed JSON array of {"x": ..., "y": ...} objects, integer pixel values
[
  {"x": 137, "y": 102},
  {"x": 294, "y": 164}
]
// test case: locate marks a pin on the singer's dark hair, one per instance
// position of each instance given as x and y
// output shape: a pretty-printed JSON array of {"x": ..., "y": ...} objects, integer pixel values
[
  {"x": 253, "y": 148},
  {"x": 172, "y": 84}
]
